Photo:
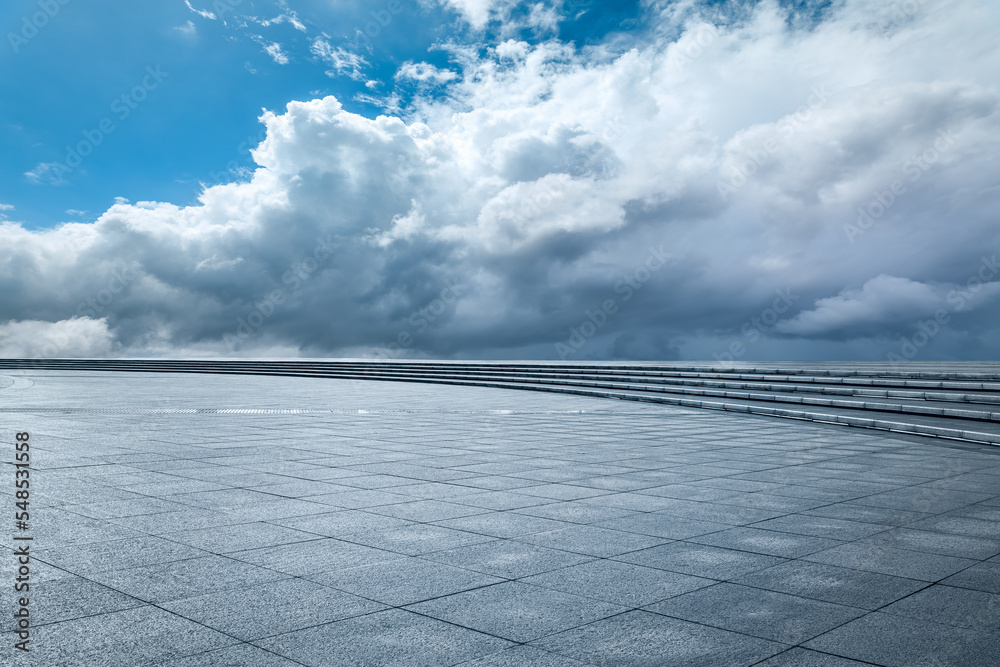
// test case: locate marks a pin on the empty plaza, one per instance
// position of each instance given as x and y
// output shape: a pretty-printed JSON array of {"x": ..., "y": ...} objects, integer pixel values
[{"x": 197, "y": 519}]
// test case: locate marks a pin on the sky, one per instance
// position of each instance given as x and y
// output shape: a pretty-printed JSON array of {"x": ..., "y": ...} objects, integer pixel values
[{"x": 717, "y": 180}]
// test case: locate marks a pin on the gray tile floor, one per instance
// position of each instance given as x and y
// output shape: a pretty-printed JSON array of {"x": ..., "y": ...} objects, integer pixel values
[{"x": 209, "y": 520}]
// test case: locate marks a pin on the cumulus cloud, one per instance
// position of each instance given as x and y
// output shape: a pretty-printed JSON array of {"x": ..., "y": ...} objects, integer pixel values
[{"x": 535, "y": 189}]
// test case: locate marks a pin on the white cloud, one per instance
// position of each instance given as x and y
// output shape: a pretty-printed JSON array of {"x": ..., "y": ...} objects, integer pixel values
[
  {"x": 885, "y": 302},
  {"x": 424, "y": 72},
  {"x": 291, "y": 18},
  {"x": 390, "y": 104},
  {"x": 537, "y": 16},
  {"x": 6, "y": 207},
  {"x": 338, "y": 59},
  {"x": 188, "y": 29},
  {"x": 274, "y": 50},
  {"x": 543, "y": 17},
  {"x": 200, "y": 12},
  {"x": 47, "y": 173},
  {"x": 881, "y": 300},
  {"x": 475, "y": 12},
  {"x": 545, "y": 175}
]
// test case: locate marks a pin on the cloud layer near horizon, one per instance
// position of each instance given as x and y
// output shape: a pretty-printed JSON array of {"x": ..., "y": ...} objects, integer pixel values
[{"x": 843, "y": 170}]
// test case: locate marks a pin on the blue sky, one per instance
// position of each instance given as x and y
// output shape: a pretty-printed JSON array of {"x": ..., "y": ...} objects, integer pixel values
[
  {"x": 198, "y": 124},
  {"x": 722, "y": 180}
]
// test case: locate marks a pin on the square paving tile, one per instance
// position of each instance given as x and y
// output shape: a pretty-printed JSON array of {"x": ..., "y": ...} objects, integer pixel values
[
  {"x": 701, "y": 560},
  {"x": 933, "y": 542},
  {"x": 417, "y": 539},
  {"x": 69, "y": 597},
  {"x": 226, "y": 539},
  {"x": 817, "y": 526},
  {"x": 855, "y": 588},
  {"x": 507, "y": 558},
  {"x": 404, "y": 581},
  {"x": 960, "y": 523},
  {"x": 516, "y": 611},
  {"x": 960, "y": 607},
  {"x": 895, "y": 562},
  {"x": 767, "y": 542},
  {"x": 271, "y": 608},
  {"x": 923, "y": 499},
  {"x": 119, "y": 554},
  {"x": 577, "y": 511},
  {"x": 394, "y": 637},
  {"x": 315, "y": 556},
  {"x": 242, "y": 655},
  {"x": 503, "y": 524},
  {"x": 520, "y": 656},
  {"x": 619, "y": 583},
  {"x": 765, "y": 614},
  {"x": 852, "y": 511},
  {"x": 426, "y": 510},
  {"x": 980, "y": 577},
  {"x": 341, "y": 523},
  {"x": 896, "y": 641},
  {"x": 142, "y": 635},
  {"x": 185, "y": 578},
  {"x": 664, "y": 525},
  {"x": 644, "y": 639},
  {"x": 592, "y": 540},
  {"x": 800, "y": 657}
]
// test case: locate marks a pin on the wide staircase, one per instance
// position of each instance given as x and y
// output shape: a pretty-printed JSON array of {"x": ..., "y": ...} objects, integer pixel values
[{"x": 959, "y": 401}]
